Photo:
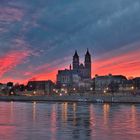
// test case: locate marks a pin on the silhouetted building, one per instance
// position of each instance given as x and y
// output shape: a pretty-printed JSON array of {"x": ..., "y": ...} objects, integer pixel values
[
  {"x": 67, "y": 77},
  {"x": 136, "y": 82},
  {"x": 83, "y": 70},
  {"x": 72, "y": 77},
  {"x": 127, "y": 85},
  {"x": 107, "y": 82},
  {"x": 46, "y": 86}
]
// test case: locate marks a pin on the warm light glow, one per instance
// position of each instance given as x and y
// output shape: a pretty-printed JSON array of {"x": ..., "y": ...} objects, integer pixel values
[
  {"x": 105, "y": 91},
  {"x": 74, "y": 113},
  {"x": 127, "y": 64},
  {"x": 106, "y": 108},
  {"x": 64, "y": 112},
  {"x": 91, "y": 89},
  {"x": 53, "y": 122},
  {"x": 34, "y": 111},
  {"x": 132, "y": 87}
]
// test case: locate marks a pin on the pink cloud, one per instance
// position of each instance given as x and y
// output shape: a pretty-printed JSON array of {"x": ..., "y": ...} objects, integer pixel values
[
  {"x": 46, "y": 71},
  {"x": 11, "y": 60},
  {"x": 127, "y": 64},
  {"x": 9, "y": 14}
]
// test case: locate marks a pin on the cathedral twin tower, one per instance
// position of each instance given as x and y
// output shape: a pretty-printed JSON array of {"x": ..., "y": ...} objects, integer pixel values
[
  {"x": 78, "y": 71},
  {"x": 84, "y": 70}
]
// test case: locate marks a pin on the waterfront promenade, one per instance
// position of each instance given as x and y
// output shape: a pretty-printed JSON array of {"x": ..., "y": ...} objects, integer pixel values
[{"x": 77, "y": 98}]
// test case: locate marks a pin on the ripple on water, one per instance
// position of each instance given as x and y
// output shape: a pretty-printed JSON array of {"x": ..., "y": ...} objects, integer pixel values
[{"x": 68, "y": 121}]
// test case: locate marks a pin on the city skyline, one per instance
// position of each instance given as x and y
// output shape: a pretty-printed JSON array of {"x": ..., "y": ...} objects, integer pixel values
[{"x": 38, "y": 38}]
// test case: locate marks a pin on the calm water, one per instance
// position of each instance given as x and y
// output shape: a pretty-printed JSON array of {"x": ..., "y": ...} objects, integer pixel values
[{"x": 69, "y": 121}]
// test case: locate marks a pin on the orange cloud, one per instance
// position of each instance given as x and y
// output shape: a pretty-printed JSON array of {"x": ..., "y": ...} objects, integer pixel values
[
  {"x": 45, "y": 76},
  {"x": 47, "y": 71},
  {"x": 127, "y": 64}
]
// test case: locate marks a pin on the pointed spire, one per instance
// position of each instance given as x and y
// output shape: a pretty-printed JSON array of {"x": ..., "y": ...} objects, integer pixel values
[
  {"x": 87, "y": 57},
  {"x": 87, "y": 53},
  {"x": 76, "y": 54}
]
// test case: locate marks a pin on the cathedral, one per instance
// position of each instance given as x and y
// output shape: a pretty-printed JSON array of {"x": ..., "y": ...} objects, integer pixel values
[
  {"x": 83, "y": 70},
  {"x": 77, "y": 71}
]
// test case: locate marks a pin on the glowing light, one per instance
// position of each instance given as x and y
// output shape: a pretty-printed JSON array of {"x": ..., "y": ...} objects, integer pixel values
[
  {"x": 91, "y": 88},
  {"x": 62, "y": 89},
  {"x": 132, "y": 87},
  {"x": 12, "y": 93},
  {"x": 105, "y": 91},
  {"x": 127, "y": 64}
]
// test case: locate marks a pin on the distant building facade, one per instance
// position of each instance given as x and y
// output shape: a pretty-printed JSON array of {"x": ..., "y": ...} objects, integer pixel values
[
  {"x": 107, "y": 82},
  {"x": 77, "y": 72},
  {"x": 44, "y": 86},
  {"x": 136, "y": 82}
]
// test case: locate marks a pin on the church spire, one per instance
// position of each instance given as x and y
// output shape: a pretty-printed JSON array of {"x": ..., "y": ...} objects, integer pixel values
[
  {"x": 87, "y": 53},
  {"x": 76, "y": 54},
  {"x": 88, "y": 64},
  {"x": 76, "y": 61}
]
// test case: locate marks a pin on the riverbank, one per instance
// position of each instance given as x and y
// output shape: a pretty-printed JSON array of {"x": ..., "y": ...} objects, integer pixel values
[{"x": 76, "y": 98}]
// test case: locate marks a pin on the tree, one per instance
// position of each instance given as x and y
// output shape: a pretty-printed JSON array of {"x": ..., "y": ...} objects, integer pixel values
[{"x": 10, "y": 84}]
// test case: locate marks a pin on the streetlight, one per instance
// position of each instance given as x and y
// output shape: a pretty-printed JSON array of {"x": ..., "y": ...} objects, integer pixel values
[
  {"x": 34, "y": 92},
  {"x": 132, "y": 87},
  {"x": 104, "y": 91},
  {"x": 91, "y": 89}
]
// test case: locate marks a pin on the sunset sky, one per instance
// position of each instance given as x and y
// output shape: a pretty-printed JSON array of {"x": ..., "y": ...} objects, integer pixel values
[{"x": 38, "y": 37}]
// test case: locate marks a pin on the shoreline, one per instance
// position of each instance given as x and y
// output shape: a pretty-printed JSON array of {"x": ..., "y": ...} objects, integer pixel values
[{"x": 74, "y": 98}]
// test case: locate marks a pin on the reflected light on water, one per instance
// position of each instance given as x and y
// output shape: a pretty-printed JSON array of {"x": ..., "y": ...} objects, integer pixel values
[
  {"x": 76, "y": 121},
  {"x": 34, "y": 111},
  {"x": 64, "y": 112},
  {"x": 7, "y": 127},
  {"x": 92, "y": 116},
  {"x": 133, "y": 115},
  {"x": 74, "y": 113},
  {"x": 92, "y": 120},
  {"x": 106, "y": 108},
  {"x": 53, "y": 122}
]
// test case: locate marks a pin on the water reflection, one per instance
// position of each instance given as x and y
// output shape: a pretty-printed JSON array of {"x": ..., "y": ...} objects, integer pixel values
[
  {"x": 7, "y": 127},
  {"x": 64, "y": 112},
  {"x": 34, "y": 111},
  {"x": 106, "y": 109},
  {"x": 58, "y": 121},
  {"x": 53, "y": 125},
  {"x": 92, "y": 121},
  {"x": 133, "y": 117},
  {"x": 74, "y": 113}
]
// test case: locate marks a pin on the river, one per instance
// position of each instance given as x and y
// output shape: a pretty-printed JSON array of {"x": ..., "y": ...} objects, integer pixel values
[{"x": 69, "y": 121}]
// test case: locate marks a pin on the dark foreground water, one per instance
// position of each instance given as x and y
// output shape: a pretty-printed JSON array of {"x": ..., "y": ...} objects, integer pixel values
[{"x": 69, "y": 121}]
